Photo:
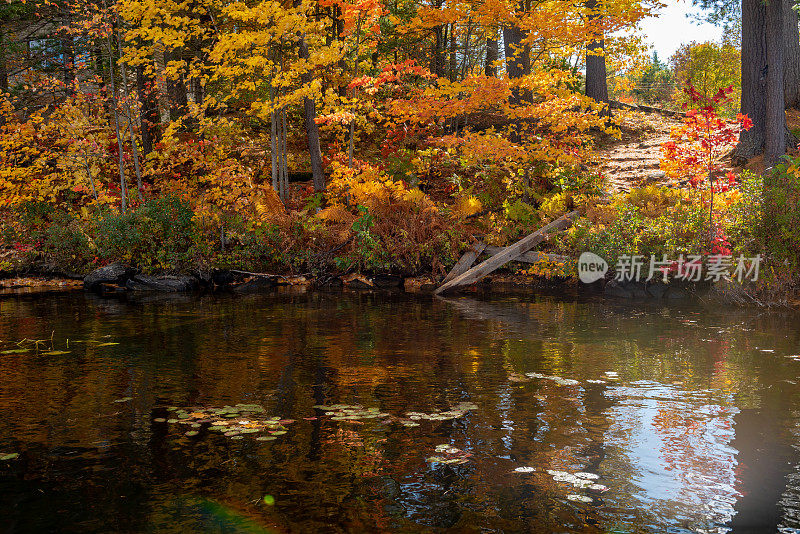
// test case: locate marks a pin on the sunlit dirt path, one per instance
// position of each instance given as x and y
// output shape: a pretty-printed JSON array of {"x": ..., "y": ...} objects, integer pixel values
[{"x": 633, "y": 160}]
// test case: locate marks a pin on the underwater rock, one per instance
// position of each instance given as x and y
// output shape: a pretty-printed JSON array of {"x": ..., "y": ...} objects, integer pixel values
[{"x": 162, "y": 283}]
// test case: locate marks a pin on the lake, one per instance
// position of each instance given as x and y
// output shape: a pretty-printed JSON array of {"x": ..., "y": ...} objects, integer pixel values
[{"x": 370, "y": 412}]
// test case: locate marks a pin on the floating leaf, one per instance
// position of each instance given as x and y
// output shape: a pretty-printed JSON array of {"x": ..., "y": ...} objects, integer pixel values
[
  {"x": 56, "y": 352},
  {"x": 265, "y": 438},
  {"x": 524, "y": 470},
  {"x": 108, "y": 344},
  {"x": 192, "y": 433},
  {"x": 15, "y": 351},
  {"x": 269, "y": 500},
  {"x": 160, "y": 420},
  {"x": 124, "y": 399},
  {"x": 579, "y": 498},
  {"x": 9, "y": 456},
  {"x": 557, "y": 379}
]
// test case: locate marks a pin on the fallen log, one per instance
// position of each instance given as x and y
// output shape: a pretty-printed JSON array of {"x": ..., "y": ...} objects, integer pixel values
[
  {"x": 530, "y": 257},
  {"x": 466, "y": 261},
  {"x": 508, "y": 254}
]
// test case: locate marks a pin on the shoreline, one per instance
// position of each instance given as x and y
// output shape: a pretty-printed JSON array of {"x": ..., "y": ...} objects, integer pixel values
[{"x": 245, "y": 283}]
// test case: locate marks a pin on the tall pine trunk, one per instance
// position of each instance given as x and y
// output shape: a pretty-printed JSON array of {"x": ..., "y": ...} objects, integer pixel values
[
  {"x": 775, "y": 118},
  {"x": 791, "y": 60},
  {"x": 754, "y": 76}
]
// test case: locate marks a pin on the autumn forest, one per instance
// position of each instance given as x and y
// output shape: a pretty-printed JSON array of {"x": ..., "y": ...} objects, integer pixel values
[
  {"x": 338, "y": 136},
  {"x": 440, "y": 266}
]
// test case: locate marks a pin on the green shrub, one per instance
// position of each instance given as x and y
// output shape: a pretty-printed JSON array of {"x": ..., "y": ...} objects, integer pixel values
[
  {"x": 160, "y": 235},
  {"x": 781, "y": 225},
  {"x": 66, "y": 245},
  {"x": 745, "y": 230},
  {"x": 646, "y": 221}
]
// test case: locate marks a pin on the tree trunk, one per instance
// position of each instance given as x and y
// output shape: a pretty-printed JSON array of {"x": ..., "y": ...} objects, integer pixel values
[
  {"x": 176, "y": 89},
  {"x": 123, "y": 187},
  {"x": 129, "y": 115},
  {"x": 312, "y": 130},
  {"x": 273, "y": 146},
  {"x": 68, "y": 47},
  {"x": 791, "y": 59},
  {"x": 492, "y": 51},
  {"x": 453, "y": 49},
  {"x": 3, "y": 65},
  {"x": 775, "y": 123},
  {"x": 102, "y": 78},
  {"x": 596, "y": 82},
  {"x": 437, "y": 61},
  {"x": 516, "y": 59},
  {"x": 754, "y": 74},
  {"x": 148, "y": 112},
  {"x": 196, "y": 83}
]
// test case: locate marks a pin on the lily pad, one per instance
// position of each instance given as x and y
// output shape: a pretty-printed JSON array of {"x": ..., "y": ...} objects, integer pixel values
[{"x": 9, "y": 456}]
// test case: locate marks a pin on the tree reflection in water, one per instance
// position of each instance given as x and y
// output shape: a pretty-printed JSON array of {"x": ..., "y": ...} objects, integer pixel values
[{"x": 697, "y": 434}]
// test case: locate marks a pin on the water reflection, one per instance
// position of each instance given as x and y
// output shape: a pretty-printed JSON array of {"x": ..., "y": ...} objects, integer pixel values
[{"x": 687, "y": 419}]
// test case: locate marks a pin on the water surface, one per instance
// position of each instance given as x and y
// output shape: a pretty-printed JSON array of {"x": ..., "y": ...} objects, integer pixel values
[{"x": 689, "y": 416}]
